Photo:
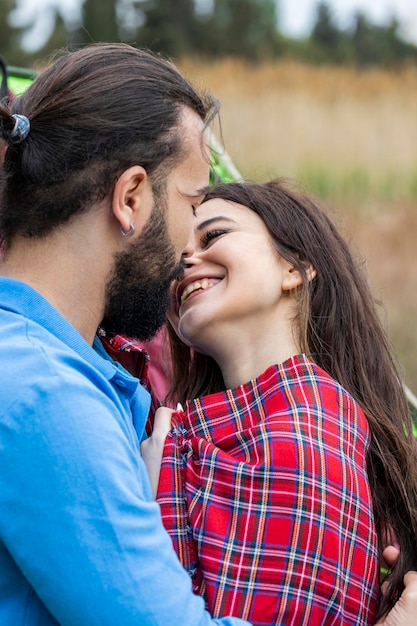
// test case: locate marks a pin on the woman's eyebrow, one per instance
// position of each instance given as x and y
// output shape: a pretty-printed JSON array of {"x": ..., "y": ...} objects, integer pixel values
[
  {"x": 218, "y": 218},
  {"x": 198, "y": 193}
]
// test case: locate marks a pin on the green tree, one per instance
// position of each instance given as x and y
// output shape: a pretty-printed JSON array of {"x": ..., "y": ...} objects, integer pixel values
[
  {"x": 11, "y": 36},
  {"x": 169, "y": 27},
  {"x": 59, "y": 38},
  {"x": 376, "y": 45},
  {"x": 99, "y": 22},
  {"x": 241, "y": 28},
  {"x": 328, "y": 43}
]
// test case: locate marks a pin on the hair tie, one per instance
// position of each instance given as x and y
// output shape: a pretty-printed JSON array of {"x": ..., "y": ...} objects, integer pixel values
[{"x": 20, "y": 129}]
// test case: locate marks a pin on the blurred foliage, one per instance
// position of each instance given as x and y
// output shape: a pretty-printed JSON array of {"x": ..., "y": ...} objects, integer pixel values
[
  {"x": 10, "y": 37},
  {"x": 359, "y": 187},
  {"x": 99, "y": 22},
  {"x": 247, "y": 29}
]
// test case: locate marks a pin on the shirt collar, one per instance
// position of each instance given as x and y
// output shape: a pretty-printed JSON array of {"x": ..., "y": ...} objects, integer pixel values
[{"x": 20, "y": 298}]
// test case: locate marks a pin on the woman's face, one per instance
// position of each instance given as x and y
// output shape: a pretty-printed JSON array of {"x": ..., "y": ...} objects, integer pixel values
[{"x": 233, "y": 282}]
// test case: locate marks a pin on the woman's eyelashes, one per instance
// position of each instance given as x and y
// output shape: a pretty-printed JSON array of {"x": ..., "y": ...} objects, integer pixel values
[{"x": 211, "y": 235}]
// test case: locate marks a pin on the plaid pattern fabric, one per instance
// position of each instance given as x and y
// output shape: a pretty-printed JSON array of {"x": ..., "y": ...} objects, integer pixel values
[
  {"x": 264, "y": 492},
  {"x": 135, "y": 359},
  {"x": 130, "y": 354}
]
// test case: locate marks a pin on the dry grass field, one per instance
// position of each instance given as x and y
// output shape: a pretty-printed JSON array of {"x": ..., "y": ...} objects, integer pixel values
[{"x": 350, "y": 138}]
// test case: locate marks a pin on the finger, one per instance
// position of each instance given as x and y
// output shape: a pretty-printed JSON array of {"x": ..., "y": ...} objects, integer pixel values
[
  {"x": 162, "y": 422},
  {"x": 410, "y": 582},
  {"x": 390, "y": 555},
  {"x": 405, "y": 610}
]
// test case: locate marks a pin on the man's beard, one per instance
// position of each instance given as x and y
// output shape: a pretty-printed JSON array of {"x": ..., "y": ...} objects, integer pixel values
[{"x": 138, "y": 292}]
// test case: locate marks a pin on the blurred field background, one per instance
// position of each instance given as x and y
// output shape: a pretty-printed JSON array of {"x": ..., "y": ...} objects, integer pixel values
[
  {"x": 349, "y": 136},
  {"x": 332, "y": 118}
]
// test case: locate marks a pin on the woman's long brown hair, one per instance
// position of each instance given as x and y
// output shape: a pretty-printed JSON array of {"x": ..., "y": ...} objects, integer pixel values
[{"x": 341, "y": 330}]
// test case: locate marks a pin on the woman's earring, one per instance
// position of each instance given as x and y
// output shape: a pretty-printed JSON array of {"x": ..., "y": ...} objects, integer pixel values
[{"x": 129, "y": 233}]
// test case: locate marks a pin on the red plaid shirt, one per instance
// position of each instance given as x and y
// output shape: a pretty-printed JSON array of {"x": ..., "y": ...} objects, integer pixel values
[
  {"x": 135, "y": 359},
  {"x": 265, "y": 494}
]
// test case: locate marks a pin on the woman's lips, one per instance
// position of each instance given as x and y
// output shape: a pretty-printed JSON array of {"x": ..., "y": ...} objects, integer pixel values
[
  {"x": 197, "y": 285},
  {"x": 185, "y": 290}
]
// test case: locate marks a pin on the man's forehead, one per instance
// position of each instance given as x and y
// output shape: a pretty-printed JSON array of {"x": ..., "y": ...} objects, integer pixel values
[{"x": 195, "y": 134}]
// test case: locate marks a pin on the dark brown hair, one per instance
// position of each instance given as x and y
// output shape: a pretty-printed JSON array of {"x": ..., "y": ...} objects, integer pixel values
[
  {"x": 93, "y": 113},
  {"x": 341, "y": 330}
]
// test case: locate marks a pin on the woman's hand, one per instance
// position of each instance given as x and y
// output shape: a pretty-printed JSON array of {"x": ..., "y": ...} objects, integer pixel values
[
  {"x": 152, "y": 448},
  {"x": 404, "y": 612},
  {"x": 391, "y": 553}
]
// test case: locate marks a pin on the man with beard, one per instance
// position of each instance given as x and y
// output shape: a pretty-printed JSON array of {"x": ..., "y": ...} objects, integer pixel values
[
  {"x": 106, "y": 159},
  {"x": 137, "y": 298}
]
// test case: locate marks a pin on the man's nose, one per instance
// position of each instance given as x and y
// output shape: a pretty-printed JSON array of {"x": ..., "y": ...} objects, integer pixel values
[{"x": 189, "y": 251}]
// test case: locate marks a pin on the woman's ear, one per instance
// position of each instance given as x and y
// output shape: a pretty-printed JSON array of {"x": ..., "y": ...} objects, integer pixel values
[
  {"x": 292, "y": 277},
  {"x": 132, "y": 198}
]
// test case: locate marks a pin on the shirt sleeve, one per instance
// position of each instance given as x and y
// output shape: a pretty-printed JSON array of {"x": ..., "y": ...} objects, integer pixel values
[{"x": 76, "y": 514}]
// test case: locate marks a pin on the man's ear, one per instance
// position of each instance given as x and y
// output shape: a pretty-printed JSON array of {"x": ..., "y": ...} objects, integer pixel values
[
  {"x": 132, "y": 198},
  {"x": 292, "y": 277}
]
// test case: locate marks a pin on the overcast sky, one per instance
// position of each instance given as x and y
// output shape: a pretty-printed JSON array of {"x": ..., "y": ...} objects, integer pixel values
[{"x": 295, "y": 16}]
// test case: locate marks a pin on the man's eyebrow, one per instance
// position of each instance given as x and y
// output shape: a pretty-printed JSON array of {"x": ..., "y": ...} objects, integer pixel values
[{"x": 211, "y": 220}]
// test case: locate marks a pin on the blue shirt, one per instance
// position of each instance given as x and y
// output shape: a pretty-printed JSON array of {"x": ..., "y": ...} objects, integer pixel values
[{"x": 81, "y": 539}]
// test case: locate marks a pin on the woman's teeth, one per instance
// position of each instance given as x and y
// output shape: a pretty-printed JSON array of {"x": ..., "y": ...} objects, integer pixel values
[{"x": 198, "y": 284}]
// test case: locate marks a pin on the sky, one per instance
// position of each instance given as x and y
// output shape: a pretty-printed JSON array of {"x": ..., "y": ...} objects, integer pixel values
[{"x": 295, "y": 16}]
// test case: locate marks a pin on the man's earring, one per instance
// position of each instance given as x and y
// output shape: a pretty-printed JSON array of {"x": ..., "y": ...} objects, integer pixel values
[{"x": 129, "y": 233}]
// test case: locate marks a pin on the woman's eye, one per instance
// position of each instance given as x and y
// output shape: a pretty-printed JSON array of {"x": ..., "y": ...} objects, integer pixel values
[{"x": 210, "y": 236}]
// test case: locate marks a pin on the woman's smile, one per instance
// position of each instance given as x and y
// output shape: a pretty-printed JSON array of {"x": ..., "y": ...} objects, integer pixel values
[
  {"x": 230, "y": 251},
  {"x": 196, "y": 286}
]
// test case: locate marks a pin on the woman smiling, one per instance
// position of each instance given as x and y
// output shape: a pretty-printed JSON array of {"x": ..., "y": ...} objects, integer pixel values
[{"x": 294, "y": 453}]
